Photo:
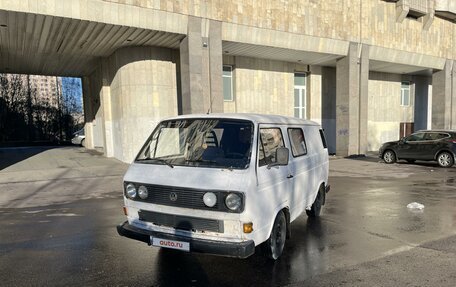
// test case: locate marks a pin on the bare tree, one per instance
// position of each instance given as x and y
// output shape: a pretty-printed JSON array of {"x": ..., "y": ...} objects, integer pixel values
[{"x": 27, "y": 116}]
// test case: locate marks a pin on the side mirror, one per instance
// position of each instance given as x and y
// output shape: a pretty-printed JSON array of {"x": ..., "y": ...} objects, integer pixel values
[{"x": 282, "y": 155}]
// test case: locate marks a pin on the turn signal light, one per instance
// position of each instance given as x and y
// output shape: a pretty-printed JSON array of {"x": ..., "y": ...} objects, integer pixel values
[
  {"x": 248, "y": 227},
  {"x": 125, "y": 210}
]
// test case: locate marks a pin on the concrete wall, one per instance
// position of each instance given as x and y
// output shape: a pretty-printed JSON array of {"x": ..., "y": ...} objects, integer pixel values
[
  {"x": 374, "y": 22},
  {"x": 380, "y": 28},
  {"x": 385, "y": 112},
  {"x": 262, "y": 86}
]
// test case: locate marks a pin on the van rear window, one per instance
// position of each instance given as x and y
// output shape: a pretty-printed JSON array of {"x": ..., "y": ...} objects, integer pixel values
[
  {"x": 323, "y": 138},
  {"x": 297, "y": 141}
]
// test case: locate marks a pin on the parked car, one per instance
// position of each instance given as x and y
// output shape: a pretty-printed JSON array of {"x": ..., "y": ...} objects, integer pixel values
[
  {"x": 78, "y": 138},
  {"x": 225, "y": 183},
  {"x": 432, "y": 145}
]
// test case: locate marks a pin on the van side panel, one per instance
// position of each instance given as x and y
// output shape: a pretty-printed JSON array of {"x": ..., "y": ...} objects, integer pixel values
[
  {"x": 272, "y": 193},
  {"x": 318, "y": 156}
]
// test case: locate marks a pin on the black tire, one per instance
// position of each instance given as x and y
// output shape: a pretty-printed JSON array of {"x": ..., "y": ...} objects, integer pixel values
[
  {"x": 82, "y": 143},
  {"x": 411, "y": 161},
  {"x": 273, "y": 247},
  {"x": 317, "y": 204},
  {"x": 445, "y": 159},
  {"x": 389, "y": 156}
]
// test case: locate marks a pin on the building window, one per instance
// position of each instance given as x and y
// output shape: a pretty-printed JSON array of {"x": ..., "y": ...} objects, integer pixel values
[
  {"x": 405, "y": 94},
  {"x": 300, "y": 80},
  {"x": 227, "y": 83}
]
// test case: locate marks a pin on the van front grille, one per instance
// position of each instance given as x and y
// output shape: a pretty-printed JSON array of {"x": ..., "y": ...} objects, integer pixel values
[
  {"x": 185, "y": 197},
  {"x": 181, "y": 222},
  {"x": 177, "y": 196}
]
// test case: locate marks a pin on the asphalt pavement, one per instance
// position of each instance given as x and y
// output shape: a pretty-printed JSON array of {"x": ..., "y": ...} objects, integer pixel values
[{"x": 59, "y": 208}]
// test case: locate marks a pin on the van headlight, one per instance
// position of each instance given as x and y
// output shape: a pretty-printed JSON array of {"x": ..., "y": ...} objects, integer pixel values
[
  {"x": 142, "y": 192},
  {"x": 233, "y": 201},
  {"x": 130, "y": 191},
  {"x": 210, "y": 199}
]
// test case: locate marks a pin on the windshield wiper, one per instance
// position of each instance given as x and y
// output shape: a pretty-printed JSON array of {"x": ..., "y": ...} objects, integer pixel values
[
  {"x": 145, "y": 160},
  {"x": 201, "y": 160}
]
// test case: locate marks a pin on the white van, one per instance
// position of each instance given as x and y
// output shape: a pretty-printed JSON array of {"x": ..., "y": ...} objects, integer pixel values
[{"x": 225, "y": 183}]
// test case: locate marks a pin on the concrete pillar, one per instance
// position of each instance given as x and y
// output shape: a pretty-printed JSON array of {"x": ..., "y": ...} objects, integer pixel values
[
  {"x": 363, "y": 99},
  {"x": 142, "y": 91},
  {"x": 314, "y": 86},
  {"x": 215, "y": 66},
  {"x": 105, "y": 102},
  {"x": 351, "y": 101},
  {"x": 453, "y": 97},
  {"x": 89, "y": 114},
  {"x": 328, "y": 118},
  {"x": 421, "y": 114},
  {"x": 442, "y": 98},
  {"x": 93, "y": 111},
  {"x": 201, "y": 67}
]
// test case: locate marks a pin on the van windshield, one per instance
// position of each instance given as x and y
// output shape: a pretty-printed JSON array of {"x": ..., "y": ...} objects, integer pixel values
[{"x": 217, "y": 143}]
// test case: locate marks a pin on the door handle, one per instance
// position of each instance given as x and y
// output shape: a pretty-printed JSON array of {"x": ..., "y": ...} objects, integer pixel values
[{"x": 290, "y": 176}]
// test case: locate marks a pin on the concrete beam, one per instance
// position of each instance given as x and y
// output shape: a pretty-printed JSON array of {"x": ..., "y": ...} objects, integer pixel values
[
  {"x": 280, "y": 39},
  {"x": 400, "y": 57}
]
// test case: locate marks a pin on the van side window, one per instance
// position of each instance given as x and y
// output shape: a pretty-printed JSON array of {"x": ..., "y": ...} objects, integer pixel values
[
  {"x": 297, "y": 142},
  {"x": 270, "y": 140},
  {"x": 323, "y": 138}
]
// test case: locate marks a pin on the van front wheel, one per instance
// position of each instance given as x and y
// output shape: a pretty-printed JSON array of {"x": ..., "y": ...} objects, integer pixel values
[{"x": 273, "y": 247}]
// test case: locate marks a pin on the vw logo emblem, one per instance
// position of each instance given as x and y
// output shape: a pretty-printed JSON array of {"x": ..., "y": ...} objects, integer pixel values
[{"x": 173, "y": 196}]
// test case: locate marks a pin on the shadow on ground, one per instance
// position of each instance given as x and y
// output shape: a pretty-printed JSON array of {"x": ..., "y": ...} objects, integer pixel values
[{"x": 11, "y": 156}]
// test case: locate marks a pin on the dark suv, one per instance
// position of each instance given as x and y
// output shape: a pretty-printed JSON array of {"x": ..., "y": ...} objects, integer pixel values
[{"x": 438, "y": 145}]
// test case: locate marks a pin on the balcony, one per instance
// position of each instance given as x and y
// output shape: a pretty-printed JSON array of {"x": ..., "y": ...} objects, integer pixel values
[{"x": 446, "y": 9}]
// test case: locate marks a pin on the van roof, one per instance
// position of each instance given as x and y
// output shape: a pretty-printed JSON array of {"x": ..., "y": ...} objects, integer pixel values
[{"x": 256, "y": 118}]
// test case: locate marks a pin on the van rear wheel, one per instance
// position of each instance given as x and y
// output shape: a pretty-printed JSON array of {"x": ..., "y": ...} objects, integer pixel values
[
  {"x": 273, "y": 247},
  {"x": 316, "y": 206}
]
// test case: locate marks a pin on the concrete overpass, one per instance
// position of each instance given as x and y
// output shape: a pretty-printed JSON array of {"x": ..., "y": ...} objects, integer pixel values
[{"x": 144, "y": 60}]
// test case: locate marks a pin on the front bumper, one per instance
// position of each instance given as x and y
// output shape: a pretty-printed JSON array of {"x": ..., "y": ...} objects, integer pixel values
[{"x": 231, "y": 249}]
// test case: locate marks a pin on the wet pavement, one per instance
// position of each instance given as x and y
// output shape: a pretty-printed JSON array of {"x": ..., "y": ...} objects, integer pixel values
[{"x": 59, "y": 216}]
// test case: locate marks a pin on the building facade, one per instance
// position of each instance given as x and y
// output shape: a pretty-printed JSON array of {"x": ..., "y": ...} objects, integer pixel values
[
  {"x": 368, "y": 71},
  {"x": 46, "y": 88}
]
